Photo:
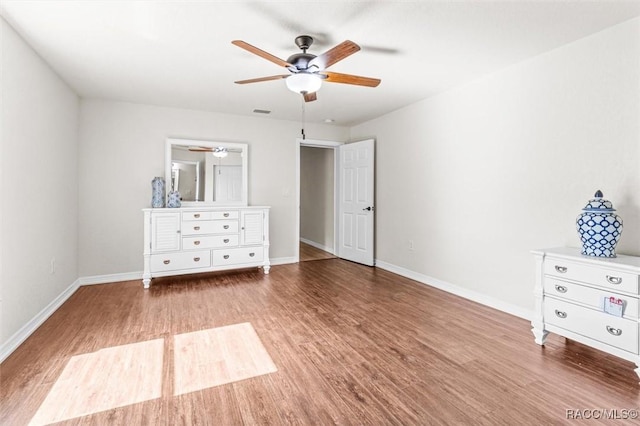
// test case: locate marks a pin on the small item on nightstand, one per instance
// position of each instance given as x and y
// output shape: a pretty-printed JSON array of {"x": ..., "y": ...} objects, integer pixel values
[
  {"x": 599, "y": 227},
  {"x": 613, "y": 306},
  {"x": 173, "y": 200},
  {"x": 157, "y": 192}
]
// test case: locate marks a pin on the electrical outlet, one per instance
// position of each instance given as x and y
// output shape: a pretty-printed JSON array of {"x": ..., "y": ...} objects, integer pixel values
[{"x": 52, "y": 269}]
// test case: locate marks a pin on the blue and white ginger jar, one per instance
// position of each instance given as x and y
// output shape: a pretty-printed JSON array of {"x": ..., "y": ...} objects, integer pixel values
[
  {"x": 157, "y": 192},
  {"x": 173, "y": 200},
  {"x": 599, "y": 227}
]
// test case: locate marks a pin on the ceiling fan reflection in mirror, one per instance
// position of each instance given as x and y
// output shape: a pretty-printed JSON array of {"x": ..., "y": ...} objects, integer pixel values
[
  {"x": 219, "y": 151},
  {"x": 308, "y": 71}
]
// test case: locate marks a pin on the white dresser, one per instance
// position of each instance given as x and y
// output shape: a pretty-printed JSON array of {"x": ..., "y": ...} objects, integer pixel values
[
  {"x": 570, "y": 290},
  {"x": 203, "y": 239}
]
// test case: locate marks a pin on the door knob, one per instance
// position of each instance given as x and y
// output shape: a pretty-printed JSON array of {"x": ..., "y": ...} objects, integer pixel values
[{"x": 369, "y": 209}]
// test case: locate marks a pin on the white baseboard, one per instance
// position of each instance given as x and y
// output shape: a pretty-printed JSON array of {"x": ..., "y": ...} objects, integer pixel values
[
  {"x": 110, "y": 278},
  {"x": 317, "y": 245},
  {"x": 26, "y": 330},
  {"x": 133, "y": 276},
  {"x": 483, "y": 299}
]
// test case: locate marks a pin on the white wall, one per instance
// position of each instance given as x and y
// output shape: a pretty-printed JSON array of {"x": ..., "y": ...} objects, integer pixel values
[
  {"x": 122, "y": 149},
  {"x": 317, "y": 195},
  {"x": 480, "y": 175},
  {"x": 39, "y": 180}
]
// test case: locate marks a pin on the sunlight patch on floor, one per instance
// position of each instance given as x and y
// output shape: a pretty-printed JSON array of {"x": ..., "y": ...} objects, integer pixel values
[
  {"x": 109, "y": 378},
  {"x": 217, "y": 356}
]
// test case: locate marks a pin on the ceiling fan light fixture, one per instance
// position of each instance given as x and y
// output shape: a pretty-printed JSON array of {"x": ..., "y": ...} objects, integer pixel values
[
  {"x": 303, "y": 82},
  {"x": 220, "y": 152}
]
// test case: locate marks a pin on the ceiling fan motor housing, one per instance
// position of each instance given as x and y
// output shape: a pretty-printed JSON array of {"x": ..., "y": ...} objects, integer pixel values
[{"x": 300, "y": 60}]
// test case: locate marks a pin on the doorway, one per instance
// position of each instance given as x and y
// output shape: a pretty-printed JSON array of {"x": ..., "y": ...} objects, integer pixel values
[
  {"x": 317, "y": 197},
  {"x": 343, "y": 201}
]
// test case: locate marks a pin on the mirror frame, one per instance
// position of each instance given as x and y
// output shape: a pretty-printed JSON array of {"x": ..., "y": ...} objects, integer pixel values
[{"x": 171, "y": 142}]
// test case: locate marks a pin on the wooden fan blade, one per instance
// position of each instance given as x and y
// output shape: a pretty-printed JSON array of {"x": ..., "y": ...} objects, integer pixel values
[
  {"x": 256, "y": 80},
  {"x": 266, "y": 55},
  {"x": 200, "y": 149},
  {"x": 335, "y": 54},
  {"x": 310, "y": 97},
  {"x": 336, "y": 77}
]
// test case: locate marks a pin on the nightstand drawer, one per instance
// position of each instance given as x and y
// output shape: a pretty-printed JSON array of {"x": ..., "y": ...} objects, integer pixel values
[
  {"x": 618, "y": 332},
  {"x": 209, "y": 241},
  {"x": 202, "y": 227},
  {"x": 237, "y": 256},
  {"x": 589, "y": 296},
  {"x": 180, "y": 260},
  {"x": 610, "y": 279}
]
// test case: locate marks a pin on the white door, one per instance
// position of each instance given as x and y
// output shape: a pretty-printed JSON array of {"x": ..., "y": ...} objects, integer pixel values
[
  {"x": 356, "y": 210},
  {"x": 228, "y": 180}
]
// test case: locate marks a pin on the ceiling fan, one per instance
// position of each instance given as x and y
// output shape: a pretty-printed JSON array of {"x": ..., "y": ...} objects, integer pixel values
[
  {"x": 308, "y": 71},
  {"x": 219, "y": 151}
]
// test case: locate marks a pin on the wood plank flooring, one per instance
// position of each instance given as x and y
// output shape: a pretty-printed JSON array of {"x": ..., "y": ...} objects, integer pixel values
[
  {"x": 351, "y": 344},
  {"x": 309, "y": 252}
]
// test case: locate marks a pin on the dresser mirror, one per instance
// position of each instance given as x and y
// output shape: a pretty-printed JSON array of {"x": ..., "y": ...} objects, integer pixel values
[{"x": 207, "y": 172}]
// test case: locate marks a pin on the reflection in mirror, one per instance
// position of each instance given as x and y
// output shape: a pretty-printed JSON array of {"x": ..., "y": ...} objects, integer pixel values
[
  {"x": 186, "y": 177},
  {"x": 207, "y": 172}
]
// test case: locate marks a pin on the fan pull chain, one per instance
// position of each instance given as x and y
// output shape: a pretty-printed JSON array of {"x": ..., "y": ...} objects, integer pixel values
[{"x": 303, "y": 111}]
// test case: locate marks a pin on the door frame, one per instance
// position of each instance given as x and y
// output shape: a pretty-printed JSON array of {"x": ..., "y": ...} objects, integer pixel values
[{"x": 317, "y": 143}]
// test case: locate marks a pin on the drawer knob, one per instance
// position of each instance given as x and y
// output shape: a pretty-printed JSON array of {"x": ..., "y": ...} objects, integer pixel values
[
  {"x": 561, "y": 269},
  {"x": 251, "y": 254},
  {"x": 226, "y": 226},
  {"x": 197, "y": 215},
  {"x": 561, "y": 314},
  {"x": 196, "y": 259},
  {"x": 196, "y": 228},
  {"x": 614, "y": 331},
  {"x": 226, "y": 215},
  {"x": 561, "y": 289},
  {"x": 196, "y": 243},
  {"x": 614, "y": 280},
  {"x": 166, "y": 262},
  {"x": 226, "y": 240},
  {"x": 226, "y": 256}
]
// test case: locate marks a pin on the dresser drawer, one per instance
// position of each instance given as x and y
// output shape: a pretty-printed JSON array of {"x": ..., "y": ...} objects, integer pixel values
[
  {"x": 589, "y": 296},
  {"x": 237, "y": 255},
  {"x": 607, "y": 278},
  {"x": 201, "y": 227},
  {"x": 180, "y": 260},
  {"x": 210, "y": 241},
  {"x": 209, "y": 215},
  {"x": 618, "y": 332}
]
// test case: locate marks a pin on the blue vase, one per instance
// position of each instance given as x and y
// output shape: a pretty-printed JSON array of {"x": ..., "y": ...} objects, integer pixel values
[
  {"x": 157, "y": 192},
  {"x": 173, "y": 200},
  {"x": 599, "y": 227}
]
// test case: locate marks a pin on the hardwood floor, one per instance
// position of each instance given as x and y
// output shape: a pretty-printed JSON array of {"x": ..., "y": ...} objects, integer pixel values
[
  {"x": 309, "y": 252},
  {"x": 351, "y": 344}
]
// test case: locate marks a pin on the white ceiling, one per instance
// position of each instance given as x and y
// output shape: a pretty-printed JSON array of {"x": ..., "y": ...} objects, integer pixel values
[{"x": 179, "y": 53}]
